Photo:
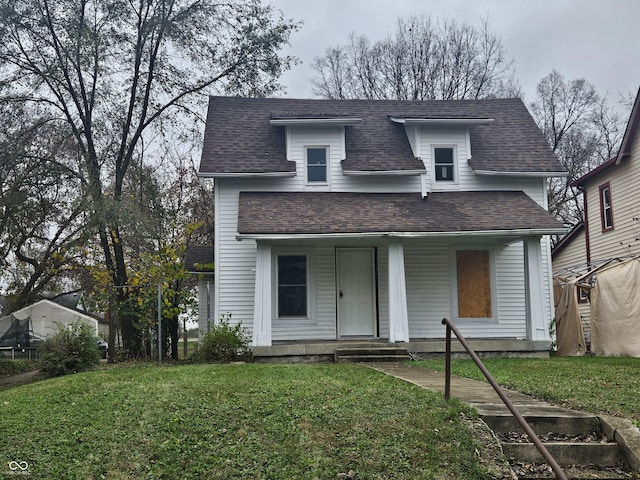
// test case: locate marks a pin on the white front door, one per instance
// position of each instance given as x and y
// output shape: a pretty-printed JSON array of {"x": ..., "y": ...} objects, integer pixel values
[{"x": 356, "y": 292}]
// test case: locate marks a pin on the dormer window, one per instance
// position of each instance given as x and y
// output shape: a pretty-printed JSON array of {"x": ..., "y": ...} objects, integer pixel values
[
  {"x": 444, "y": 163},
  {"x": 316, "y": 165}
]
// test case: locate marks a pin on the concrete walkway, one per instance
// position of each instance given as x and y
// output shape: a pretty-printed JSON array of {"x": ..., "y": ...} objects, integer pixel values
[
  {"x": 480, "y": 395},
  {"x": 486, "y": 401}
]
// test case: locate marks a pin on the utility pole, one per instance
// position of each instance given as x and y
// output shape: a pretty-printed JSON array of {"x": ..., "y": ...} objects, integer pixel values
[{"x": 159, "y": 322}]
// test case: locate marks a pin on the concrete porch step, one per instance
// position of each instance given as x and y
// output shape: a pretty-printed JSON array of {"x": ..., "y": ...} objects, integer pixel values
[
  {"x": 576, "y": 440},
  {"x": 371, "y": 354},
  {"x": 541, "y": 421},
  {"x": 567, "y": 453},
  {"x": 525, "y": 471}
]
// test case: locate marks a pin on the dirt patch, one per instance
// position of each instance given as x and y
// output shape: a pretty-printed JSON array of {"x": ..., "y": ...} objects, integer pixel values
[
  {"x": 489, "y": 451},
  {"x": 21, "y": 379},
  {"x": 540, "y": 471}
]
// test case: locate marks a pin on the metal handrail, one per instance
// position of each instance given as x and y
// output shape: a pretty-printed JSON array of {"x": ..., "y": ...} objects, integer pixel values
[{"x": 559, "y": 473}]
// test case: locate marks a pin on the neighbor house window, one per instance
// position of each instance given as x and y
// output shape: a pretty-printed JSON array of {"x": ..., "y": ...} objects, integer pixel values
[
  {"x": 606, "y": 211},
  {"x": 316, "y": 165},
  {"x": 583, "y": 295},
  {"x": 444, "y": 164},
  {"x": 474, "y": 284},
  {"x": 292, "y": 286}
]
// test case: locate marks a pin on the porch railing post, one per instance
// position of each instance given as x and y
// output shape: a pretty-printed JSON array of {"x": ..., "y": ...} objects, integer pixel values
[
  {"x": 557, "y": 470},
  {"x": 447, "y": 366}
]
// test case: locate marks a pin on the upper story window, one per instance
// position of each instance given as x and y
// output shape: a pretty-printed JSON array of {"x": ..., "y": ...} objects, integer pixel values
[
  {"x": 317, "y": 165},
  {"x": 444, "y": 163},
  {"x": 606, "y": 210}
]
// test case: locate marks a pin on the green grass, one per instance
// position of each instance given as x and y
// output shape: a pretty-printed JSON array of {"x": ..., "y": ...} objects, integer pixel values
[
  {"x": 594, "y": 384},
  {"x": 250, "y": 421}
]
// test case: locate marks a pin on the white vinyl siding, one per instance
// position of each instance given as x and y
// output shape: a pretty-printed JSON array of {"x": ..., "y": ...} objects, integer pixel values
[
  {"x": 456, "y": 138},
  {"x": 427, "y": 262},
  {"x": 429, "y": 294}
]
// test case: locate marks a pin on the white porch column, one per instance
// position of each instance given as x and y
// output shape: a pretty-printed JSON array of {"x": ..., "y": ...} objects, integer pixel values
[
  {"x": 398, "y": 316},
  {"x": 262, "y": 297},
  {"x": 537, "y": 327}
]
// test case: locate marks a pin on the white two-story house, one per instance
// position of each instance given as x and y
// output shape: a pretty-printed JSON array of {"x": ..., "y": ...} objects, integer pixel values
[{"x": 343, "y": 220}]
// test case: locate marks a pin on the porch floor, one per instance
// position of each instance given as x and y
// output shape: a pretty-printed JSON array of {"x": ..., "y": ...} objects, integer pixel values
[{"x": 323, "y": 350}]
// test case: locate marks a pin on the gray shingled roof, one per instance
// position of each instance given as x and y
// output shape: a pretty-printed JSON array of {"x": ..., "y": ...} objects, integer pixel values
[
  {"x": 199, "y": 258},
  {"x": 240, "y": 140},
  {"x": 318, "y": 213}
]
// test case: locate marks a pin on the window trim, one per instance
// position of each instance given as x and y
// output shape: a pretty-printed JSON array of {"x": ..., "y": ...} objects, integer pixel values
[
  {"x": 603, "y": 207},
  {"x": 454, "y": 284},
  {"x": 583, "y": 295},
  {"x": 326, "y": 165},
  {"x": 454, "y": 148},
  {"x": 311, "y": 303}
]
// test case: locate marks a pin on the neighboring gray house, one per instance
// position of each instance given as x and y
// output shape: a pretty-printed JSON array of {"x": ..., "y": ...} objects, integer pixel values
[
  {"x": 42, "y": 319},
  {"x": 372, "y": 220}
]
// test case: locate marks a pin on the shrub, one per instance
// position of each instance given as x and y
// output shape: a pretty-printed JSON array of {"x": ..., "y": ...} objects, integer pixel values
[
  {"x": 224, "y": 343},
  {"x": 72, "y": 349},
  {"x": 10, "y": 367}
]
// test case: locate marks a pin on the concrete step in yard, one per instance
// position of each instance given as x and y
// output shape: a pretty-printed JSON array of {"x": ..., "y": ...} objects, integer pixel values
[
  {"x": 577, "y": 441},
  {"x": 371, "y": 354}
]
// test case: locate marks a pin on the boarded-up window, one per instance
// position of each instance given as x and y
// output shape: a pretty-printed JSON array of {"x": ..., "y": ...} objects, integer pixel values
[{"x": 474, "y": 283}]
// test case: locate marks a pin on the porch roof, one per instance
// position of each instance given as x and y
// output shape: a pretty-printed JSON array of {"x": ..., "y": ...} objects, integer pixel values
[{"x": 319, "y": 214}]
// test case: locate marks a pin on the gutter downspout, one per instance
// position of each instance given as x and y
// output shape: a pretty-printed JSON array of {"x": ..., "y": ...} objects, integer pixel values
[{"x": 587, "y": 243}]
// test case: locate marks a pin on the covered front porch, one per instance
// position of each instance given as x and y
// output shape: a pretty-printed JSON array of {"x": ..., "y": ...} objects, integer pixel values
[
  {"x": 388, "y": 267},
  {"x": 396, "y": 289}
]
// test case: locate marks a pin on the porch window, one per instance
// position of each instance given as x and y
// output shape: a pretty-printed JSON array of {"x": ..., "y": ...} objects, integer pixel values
[
  {"x": 292, "y": 286},
  {"x": 444, "y": 164},
  {"x": 317, "y": 165},
  {"x": 606, "y": 212},
  {"x": 474, "y": 284}
]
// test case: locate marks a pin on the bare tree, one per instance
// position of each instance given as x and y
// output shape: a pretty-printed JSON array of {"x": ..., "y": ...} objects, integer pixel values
[
  {"x": 42, "y": 205},
  {"x": 423, "y": 60},
  {"x": 117, "y": 73},
  {"x": 583, "y": 131}
]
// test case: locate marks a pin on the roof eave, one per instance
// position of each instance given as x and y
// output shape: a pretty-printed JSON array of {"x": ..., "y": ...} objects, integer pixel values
[
  {"x": 337, "y": 121},
  {"x": 632, "y": 125},
  {"x": 496, "y": 173},
  {"x": 441, "y": 121},
  {"x": 528, "y": 232},
  {"x": 244, "y": 174},
  {"x": 383, "y": 172}
]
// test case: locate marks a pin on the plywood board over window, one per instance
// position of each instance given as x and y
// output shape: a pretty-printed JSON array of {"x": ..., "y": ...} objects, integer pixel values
[{"x": 474, "y": 283}]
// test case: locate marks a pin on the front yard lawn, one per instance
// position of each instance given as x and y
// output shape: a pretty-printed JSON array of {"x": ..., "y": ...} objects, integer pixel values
[{"x": 252, "y": 421}]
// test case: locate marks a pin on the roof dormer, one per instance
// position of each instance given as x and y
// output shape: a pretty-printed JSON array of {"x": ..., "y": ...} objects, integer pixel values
[
  {"x": 413, "y": 124},
  {"x": 291, "y": 122}
]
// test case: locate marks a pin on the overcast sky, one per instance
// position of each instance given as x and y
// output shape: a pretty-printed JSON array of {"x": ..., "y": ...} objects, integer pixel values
[{"x": 597, "y": 40}]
